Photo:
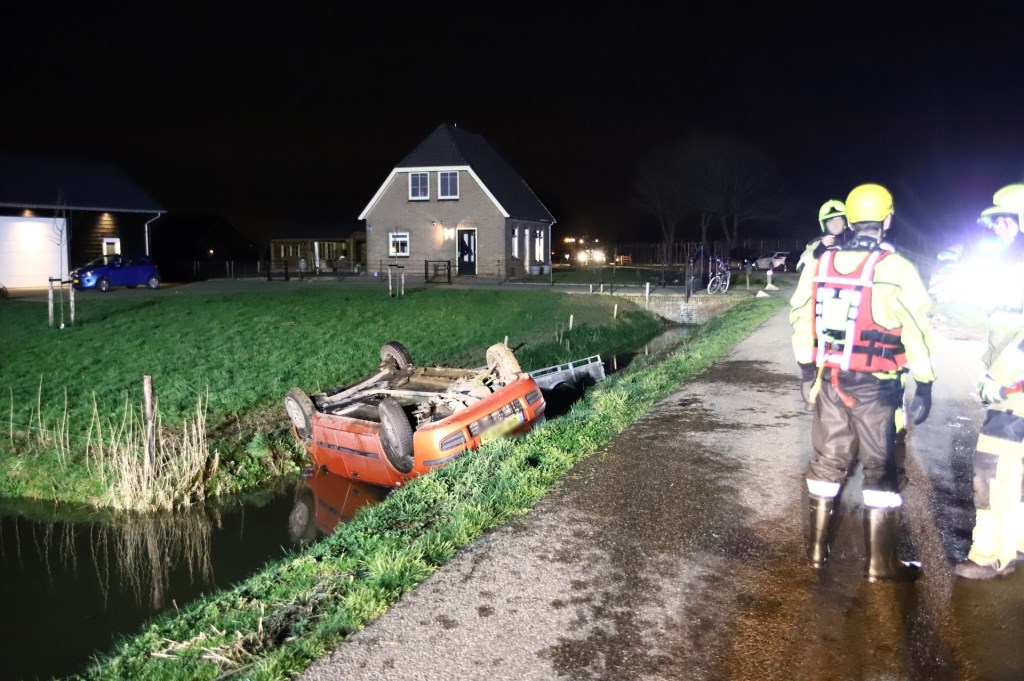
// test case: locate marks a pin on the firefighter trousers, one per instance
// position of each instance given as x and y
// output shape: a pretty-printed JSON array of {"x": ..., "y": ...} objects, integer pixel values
[
  {"x": 998, "y": 477},
  {"x": 856, "y": 421}
]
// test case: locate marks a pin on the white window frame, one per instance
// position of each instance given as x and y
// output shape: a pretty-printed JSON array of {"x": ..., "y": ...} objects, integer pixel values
[
  {"x": 426, "y": 188},
  {"x": 394, "y": 239},
  {"x": 440, "y": 185},
  {"x": 538, "y": 246},
  {"x": 515, "y": 242}
]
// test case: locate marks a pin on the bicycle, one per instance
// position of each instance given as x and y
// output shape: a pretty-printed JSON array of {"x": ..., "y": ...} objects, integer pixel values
[{"x": 720, "y": 279}]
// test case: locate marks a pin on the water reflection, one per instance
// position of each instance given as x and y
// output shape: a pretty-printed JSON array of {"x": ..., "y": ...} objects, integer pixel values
[
  {"x": 88, "y": 578},
  {"x": 323, "y": 501}
]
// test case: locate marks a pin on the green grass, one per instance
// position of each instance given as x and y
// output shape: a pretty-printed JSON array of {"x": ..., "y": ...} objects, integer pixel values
[
  {"x": 244, "y": 351},
  {"x": 296, "y": 609}
]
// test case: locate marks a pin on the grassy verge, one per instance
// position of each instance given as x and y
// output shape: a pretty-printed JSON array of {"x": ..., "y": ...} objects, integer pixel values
[
  {"x": 221, "y": 364},
  {"x": 275, "y": 623}
]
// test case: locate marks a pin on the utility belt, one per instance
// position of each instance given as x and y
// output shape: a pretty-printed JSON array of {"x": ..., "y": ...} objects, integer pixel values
[{"x": 874, "y": 344}]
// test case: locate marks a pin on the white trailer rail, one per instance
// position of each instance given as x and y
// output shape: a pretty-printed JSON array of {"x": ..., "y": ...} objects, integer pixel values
[{"x": 583, "y": 371}]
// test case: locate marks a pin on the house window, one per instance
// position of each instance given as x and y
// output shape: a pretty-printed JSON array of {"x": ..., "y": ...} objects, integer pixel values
[
  {"x": 538, "y": 245},
  {"x": 515, "y": 243},
  {"x": 419, "y": 187},
  {"x": 398, "y": 244},
  {"x": 448, "y": 184}
]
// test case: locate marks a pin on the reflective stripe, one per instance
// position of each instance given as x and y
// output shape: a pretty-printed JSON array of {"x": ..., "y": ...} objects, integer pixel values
[
  {"x": 879, "y": 499},
  {"x": 822, "y": 488}
]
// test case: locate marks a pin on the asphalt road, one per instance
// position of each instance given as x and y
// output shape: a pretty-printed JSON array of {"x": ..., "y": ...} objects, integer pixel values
[{"x": 677, "y": 553}]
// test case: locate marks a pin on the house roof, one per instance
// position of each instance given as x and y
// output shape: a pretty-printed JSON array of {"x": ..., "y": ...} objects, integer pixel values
[
  {"x": 449, "y": 146},
  {"x": 27, "y": 182}
]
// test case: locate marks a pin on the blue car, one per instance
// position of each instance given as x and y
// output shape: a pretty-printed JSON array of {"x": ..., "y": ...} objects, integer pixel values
[{"x": 116, "y": 270}]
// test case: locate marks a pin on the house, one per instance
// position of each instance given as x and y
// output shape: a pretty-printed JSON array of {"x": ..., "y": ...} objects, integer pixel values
[
  {"x": 455, "y": 199},
  {"x": 55, "y": 214},
  {"x": 323, "y": 249}
]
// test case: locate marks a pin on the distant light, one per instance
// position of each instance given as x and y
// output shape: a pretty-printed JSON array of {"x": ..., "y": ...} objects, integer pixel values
[
  {"x": 211, "y": 251},
  {"x": 569, "y": 240},
  {"x": 27, "y": 213}
]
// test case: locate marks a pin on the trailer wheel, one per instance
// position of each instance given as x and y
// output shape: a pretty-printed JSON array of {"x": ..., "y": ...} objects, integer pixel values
[
  {"x": 396, "y": 353},
  {"x": 396, "y": 435},
  {"x": 300, "y": 411},
  {"x": 502, "y": 363}
]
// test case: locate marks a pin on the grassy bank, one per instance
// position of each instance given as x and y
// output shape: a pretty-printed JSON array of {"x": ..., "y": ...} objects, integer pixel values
[
  {"x": 221, "y": 364},
  {"x": 274, "y": 624}
]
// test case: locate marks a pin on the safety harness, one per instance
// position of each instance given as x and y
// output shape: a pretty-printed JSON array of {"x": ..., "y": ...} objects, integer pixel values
[{"x": 847, "y": 335}]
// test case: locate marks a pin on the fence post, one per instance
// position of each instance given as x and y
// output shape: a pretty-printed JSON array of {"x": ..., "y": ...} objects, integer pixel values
[
  {"x": 647, "y": 294},
  {"x": 449, "y": 271},
  {"x": 402, "y": 293},
  {"x": 71, "y": 289},
  {"x": 390, "y": 294},
  {"x": 147, "y": 400},
  {"x": 49, "y": 304}
]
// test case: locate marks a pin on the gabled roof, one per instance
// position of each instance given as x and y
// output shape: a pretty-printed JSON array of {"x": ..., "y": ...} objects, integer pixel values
[
  {"x": 452, "y": 147},
  {"x": 27, "y": 182}
]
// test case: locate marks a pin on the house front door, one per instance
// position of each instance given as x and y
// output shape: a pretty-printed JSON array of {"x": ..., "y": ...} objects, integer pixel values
[{"x": 466, "y": 242}]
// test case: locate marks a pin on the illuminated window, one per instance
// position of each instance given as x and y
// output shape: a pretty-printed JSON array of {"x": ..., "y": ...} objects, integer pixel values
[
  {"x": 419, "y": 187},
  {"x": 538, "y": 245},
  {"x": 515, "y": 243},
  {"x": 398, "y": 244},
  {"x": 448, "y": 184}
]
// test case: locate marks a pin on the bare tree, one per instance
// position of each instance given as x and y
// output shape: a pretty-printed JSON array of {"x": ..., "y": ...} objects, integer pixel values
[
  {"x": 658, "y": 189},
  {"x": 729, "y": 181}
]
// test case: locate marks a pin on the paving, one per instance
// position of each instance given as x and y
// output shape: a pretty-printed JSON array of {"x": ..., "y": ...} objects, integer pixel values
[{"x": 676, "y": 552}]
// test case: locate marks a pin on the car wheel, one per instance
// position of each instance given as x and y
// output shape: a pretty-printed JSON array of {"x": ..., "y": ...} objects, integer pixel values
[
  {"x": 502, "y": 363},
  {"x": 302, "y": 519},
  {"x": 300, "y": 412},
  {"x": 153, "y": 282},
  {"x": 396, "y": 435},
  {"x": 103, "y": 285},
  {"x": 396, "y": 353}
]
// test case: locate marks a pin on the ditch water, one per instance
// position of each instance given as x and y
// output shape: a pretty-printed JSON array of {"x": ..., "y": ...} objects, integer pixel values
[{"x": 72, "y": 582}]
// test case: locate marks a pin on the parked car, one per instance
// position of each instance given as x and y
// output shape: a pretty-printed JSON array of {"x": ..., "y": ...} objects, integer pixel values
[
  {"x": 772, "y": 261},
  {"x": 792, "y": 263},
  {"x": 739, "y": 257},
  {"x": 403, "y": 420},
  {"x": 116, "y": 270}
]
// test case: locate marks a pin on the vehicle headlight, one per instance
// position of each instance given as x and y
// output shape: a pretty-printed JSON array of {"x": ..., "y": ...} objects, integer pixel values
[
  {"x": 583, "y": 256},
  {"x": 599, "y": 256}
]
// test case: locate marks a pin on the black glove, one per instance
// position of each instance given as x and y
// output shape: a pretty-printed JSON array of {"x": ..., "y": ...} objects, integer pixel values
[
  {"x": 922, "y": 404},
  {"x": 808, "y": 374}
]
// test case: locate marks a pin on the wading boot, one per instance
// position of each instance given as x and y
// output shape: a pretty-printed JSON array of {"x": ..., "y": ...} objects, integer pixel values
[
  {"x": 881, "y": 534},
  {"x": 820, "y": 512}
]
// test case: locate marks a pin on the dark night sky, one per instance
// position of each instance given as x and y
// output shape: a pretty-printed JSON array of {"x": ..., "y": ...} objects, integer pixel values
[{"x": 280, "y": 116}]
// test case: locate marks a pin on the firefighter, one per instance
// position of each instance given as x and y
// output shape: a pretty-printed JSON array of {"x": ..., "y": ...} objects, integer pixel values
[
  {"x": 998, "y": 537},
  {"x": 832, "y": 220},
  {"x": 859, "y": 318}
]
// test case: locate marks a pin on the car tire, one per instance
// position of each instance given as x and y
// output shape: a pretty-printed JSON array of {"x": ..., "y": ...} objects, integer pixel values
[
  {"x": 103, "y": 285},
  {"x": 396, "y": 353},
  {"x": 396, "y": 435},
  {"x": 503, "y": 363},
  {"x": 302, "y": 518},
  {"x": 300, "y": 409},
  {"x": 153, "y": 282}
]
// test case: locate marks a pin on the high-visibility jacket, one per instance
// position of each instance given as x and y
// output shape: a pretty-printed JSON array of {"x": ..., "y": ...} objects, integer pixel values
[
  {"x": 1004, "y": 356},
  {"x": 897, "y": 306}
]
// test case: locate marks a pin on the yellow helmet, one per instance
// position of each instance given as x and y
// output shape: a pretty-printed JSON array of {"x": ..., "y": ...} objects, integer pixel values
[
  {"x": 833, "y": 208},
  {"x": 1008, "y": 201},
  {"x": 868, "y": 203}
]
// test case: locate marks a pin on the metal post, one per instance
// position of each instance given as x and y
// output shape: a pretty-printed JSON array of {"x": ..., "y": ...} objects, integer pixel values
[
  {"x": 49, "y": 303},
  {"x": 390, "y": 293},
  {"x": 403, "y": 284},
  {"x": 71, "y": 288},
  {"x": 647, "y": 294}
]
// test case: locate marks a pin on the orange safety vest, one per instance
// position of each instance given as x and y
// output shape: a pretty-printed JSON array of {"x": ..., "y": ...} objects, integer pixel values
[{"x": 847, "y": 335}]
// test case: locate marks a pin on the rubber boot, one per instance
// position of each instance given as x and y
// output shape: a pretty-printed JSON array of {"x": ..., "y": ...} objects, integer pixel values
[
  {"x": 820, "y": 515},
  {"x": 881, "y": 534}
]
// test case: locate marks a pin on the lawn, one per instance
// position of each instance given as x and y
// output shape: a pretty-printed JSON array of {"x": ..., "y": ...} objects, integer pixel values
[{"x": 240, "y": 353}]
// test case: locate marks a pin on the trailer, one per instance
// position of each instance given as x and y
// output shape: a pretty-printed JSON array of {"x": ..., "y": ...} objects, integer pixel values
[{"x": 583, "y": 372}]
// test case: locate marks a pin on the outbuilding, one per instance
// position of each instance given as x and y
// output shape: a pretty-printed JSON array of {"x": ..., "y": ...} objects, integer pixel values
[{"x": 57, "y": 214}]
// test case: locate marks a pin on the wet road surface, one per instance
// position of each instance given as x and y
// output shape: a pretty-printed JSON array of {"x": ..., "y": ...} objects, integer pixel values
[{"x": 677, "y": 553}]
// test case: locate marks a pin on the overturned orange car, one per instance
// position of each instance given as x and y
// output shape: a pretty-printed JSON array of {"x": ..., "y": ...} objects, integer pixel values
[{"x": 404, "y": 420}]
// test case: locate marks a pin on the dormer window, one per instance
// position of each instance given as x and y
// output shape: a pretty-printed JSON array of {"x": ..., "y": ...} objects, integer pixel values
[
  {"x": 448, "y": 184},
  {"x": 419, "y": 186}
]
